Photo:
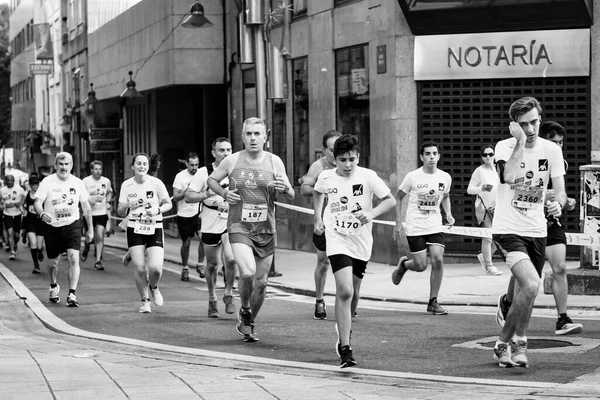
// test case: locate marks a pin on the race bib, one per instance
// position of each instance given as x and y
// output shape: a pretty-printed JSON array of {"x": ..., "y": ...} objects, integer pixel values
[
  {"x": 223, "y": 210},
  {"x": 254, "y": 212},
  {"x": 99, "y": 201},
  {"x": 144, "y": 227},
  {"x": 63, "y": 214},
  {"x": 428, "y": 202},
  {"x": 530, "y": 197},
  {"x": 31, "y": 209},
  {"x": 346, "y": 224}
]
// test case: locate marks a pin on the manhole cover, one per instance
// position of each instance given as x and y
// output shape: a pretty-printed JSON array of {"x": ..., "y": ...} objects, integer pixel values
[{"x": 536, "y": 344}]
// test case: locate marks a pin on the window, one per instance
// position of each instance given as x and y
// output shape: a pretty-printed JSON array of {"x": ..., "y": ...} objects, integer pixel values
[
  {"x": 298, "y": 8},
  {"x": 337, "y": 3},
  {"x": 301, "y": 131},
  {"x": 278, "y": 132},
  {"x": 352, "y": 92},
  {"x": 249, "y": 81}
]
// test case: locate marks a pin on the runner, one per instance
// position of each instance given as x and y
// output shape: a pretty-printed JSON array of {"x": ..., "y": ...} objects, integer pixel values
[
  {"x": 525, "y": 166},
  {"x": 33, "y": 226},
  {"x": 57, "y": 202},
  {"x": 427, "y": 188},
  {"x": 144, "y": 199},
  {"x": 188, "y": 217},
  {"x": 556, "y": 251},
  {"x": 346, "y": 223},
  {"x": 101, "y": 193},
  {"x": 12, "y": 197},
  {"x": 255, "y": 178},
  {"x": 322, "y": 164},
  {"x": 214, "y": 228}
]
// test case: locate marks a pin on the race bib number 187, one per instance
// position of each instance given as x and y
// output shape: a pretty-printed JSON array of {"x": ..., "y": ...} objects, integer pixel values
[{"x": 254, "y": 212}]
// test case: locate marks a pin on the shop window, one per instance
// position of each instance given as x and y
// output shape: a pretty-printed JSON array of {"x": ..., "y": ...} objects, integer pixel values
[
  {"x": 353, "y": 100},
  {"x": 299, "y": 7},
  {"x": 301, "y": 114},
  {"x": 278, "y": 131},
  {"x": 249, "y": 81}
]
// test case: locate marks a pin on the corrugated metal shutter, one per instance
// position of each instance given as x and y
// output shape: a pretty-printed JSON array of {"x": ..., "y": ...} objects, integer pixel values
[{"x": 461, "y": 116}]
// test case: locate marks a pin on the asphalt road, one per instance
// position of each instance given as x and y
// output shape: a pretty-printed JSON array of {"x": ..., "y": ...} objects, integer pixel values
[{"x": 382, "y": 339}]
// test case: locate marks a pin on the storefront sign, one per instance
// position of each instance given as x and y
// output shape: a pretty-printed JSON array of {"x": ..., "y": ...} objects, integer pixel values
[
  {"x": 41, "y": 68},
  {"x": 531, "y": 54},
  {"x": 104, "y": 146},
  {"x": 104, "y": 133}
]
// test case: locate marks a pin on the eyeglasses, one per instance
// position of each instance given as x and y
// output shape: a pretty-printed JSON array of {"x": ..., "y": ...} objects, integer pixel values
[{"x": 488, "y": 154}]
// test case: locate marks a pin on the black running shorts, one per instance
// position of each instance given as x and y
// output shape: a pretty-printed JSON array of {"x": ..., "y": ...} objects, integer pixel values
[
  {"x": 340, "y": 261},
  {"x": 59, "y": 240}
]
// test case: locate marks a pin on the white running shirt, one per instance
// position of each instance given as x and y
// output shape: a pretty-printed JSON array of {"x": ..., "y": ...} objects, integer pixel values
[
  {"x": 181, "y": 182},
  {"x": 343, "y": 231},
  {"x": 140, "y": 197},
  {"x": 520, "y": 206},
  {"x": 213, "y": 221},
  {"x": 11, "y": 198},
  {"x": 98, "y": 189},
  {"x": 62, "y": 198},
  {"x": 425, "y": 194}
]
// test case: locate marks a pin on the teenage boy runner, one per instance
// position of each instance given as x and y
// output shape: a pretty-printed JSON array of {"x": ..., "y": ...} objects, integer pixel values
[
  {"x": 347, "y": 224},
  {"x": 427, "y": 188}
]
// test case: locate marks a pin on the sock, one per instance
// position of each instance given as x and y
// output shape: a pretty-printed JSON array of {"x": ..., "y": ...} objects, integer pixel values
[
  {"x": 499, "y": 342},
  {"x": 53, "y": 285},
  {"x": 431, "y": 300},
  {"x": 71, "y": 291},
  {"x": 516, "y": 338},
  {"x": 562, "y": 316},
  {"x": 321, "y": 301},
  {"x": 185, "y": 267},
  {"x": 34, "y": 256},
  {"x": 244, "y": 309},
  {"x": 210, "y": 298},
  {"x": 154, "y": 288}
]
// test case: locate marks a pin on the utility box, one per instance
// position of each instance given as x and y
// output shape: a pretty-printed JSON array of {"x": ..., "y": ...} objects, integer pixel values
[{"x": 590, "y": 213}]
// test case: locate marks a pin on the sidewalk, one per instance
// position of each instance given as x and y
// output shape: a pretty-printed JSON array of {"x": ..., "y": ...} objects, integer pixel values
[{"x": 464, "y": 284}]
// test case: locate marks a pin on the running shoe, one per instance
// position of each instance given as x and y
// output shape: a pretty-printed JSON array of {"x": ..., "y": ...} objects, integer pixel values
[
  {"x": 54, "y": 297},
  {"x": 72, "y": 300},
  {"x": 126, "y": 259},
  {"x": 145, "y": 308},
  {"x": 36, "y": 270},
  {"x": 503, "y": 356},
  {"x": 492, "y": 270},
  {"x": 200, "y": 270},
  {"x": 355, "y": 314},
  {"x": 518, "y": 351},
  {"x": 213, "y": 312},
  {"x": 99, "y": 266},
  {"x": 501, "y": 312},
  {"x": 245, "y": 327},
  {"x": 435, "y": 309},
  {"x": 338, "y": 343},
  {"x": 320, "y": 310},
  {"x": 7, "y": 248},
  {"x": 185, "y": 274},
  {"x": 229, "y": 305},
  {"x": 346, "y": 357},
  {"x": 564, "y": 326},
  {"x": 24, "y": 237},
  {"x": 85, "y": 251},
  {"x": 40, "y": 255},
  {"x": 399, "y": 272},
  {"x": 157, "y": 298},
  {"x": 13, "y": 256}
]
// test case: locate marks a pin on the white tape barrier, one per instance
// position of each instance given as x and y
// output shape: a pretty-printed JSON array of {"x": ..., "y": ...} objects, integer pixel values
[{"x": 573, "y": 239}]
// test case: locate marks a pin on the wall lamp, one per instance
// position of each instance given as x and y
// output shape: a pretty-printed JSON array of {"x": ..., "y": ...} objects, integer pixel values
[
  {"x": 196, "y": 19},
  {"x": 130, "y": 92},
  {"x": 91, "y": 101}
]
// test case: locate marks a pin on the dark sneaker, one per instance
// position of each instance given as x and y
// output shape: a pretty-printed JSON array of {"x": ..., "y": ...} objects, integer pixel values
[
  {"x": 355, "y": 314},
  {"x": 7, "y": 248},
  {"x": 501, "y": 312},
  {"x": 36, "y": 270},
  {"x": 320, "y": 310},
  {"x": 245, "y": 327},
  {"x": 502, "y": 355},
  {"x": 185, "y": 275},
  {"x": 435, "y": 309},
  {"x": 200, "y": 270},
  {"x": 13, "y": 256},
  {"x": 399, "y": 272},
  {"x": 564, "y": 326},
  {"x": 85, "y": 251},
  {"x": 213, "y": 312},
  {"x": 54, "y": 297},
  {"x": 126, "y": 259},
  {"x": 346, "y": 357},
  {"x": 338, "y": 343},
  {"x": 72, "y": 300},
  {"x": 518, "y": 351},
  {"x": 229, "y": 304},
  {"x": 40, "y": 255},
  {"x": 99, "y": 266}
]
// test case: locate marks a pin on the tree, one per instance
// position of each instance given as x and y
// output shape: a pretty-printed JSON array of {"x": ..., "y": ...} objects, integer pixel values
[{"x": 5, "y": 103}]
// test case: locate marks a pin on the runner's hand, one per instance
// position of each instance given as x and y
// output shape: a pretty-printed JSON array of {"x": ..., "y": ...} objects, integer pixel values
[
  {"x": 398, "y": 231},
  {"x": 232, "y": 196},
  {"x": 364, "y": 216},
  {"x": 554, "y": 208},
  {"x": 517, "y": 132},
  {"x": 89, "y": 235},
  {"x": 319, "y": 228},
  {"x": 450, "y": 220}
]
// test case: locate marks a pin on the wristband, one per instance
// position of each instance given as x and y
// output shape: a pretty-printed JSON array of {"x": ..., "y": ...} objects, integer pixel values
[{"x": 42, "y": 214}]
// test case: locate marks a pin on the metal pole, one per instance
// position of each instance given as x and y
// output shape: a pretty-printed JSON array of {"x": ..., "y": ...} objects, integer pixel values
[{"x": 260, "y": 66}]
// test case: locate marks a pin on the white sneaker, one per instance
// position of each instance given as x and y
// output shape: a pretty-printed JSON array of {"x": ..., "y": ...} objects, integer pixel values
[
  {"x": 157, "y": 298},
  {"x": 491, "y": 270},
  {"x": 145, "y": 308},
  {"x": 54, "y": 297},
  {"x": 481, "y": 261}
]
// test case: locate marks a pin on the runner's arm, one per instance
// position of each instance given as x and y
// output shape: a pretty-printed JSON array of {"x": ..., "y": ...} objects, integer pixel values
[
  {"x": 308, "y": 183},
  {"x": 446, "y": 205},
  {"x": 400, "y": 194}
]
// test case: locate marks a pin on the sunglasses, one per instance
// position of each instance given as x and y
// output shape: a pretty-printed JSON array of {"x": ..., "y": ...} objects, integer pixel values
[{"x": 488, "y": 154}]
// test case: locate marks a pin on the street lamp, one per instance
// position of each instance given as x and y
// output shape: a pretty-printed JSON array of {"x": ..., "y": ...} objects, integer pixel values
[
  {"x": 91, "y": 101},
  {"x": 130, "y": 92},
  {"x": 196, "y": 19}
]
